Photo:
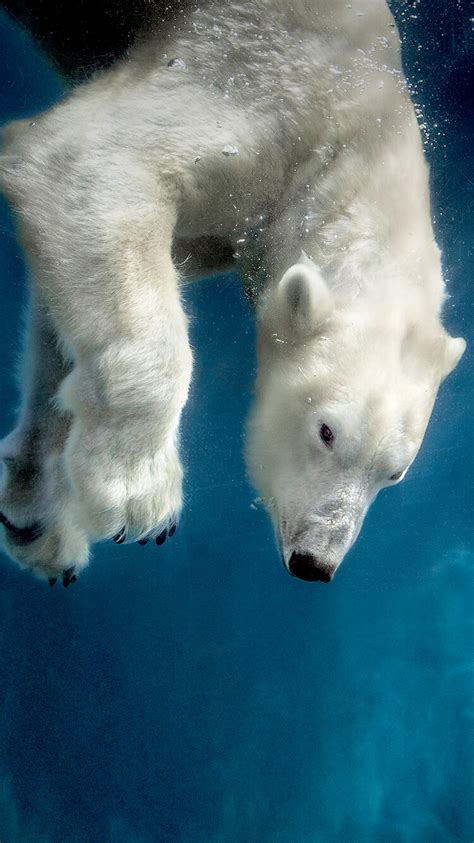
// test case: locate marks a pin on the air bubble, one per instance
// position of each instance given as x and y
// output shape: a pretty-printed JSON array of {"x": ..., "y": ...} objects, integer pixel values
[
  {"x": 230, "y": 150},
  {"x": 179, "y": 64}
]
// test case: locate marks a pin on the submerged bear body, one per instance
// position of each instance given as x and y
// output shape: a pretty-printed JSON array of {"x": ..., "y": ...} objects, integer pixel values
[{"x": 280, "y": 133}]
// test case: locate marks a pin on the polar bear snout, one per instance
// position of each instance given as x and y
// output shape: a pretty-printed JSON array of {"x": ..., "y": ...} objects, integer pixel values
[{"x": 307, "y": 567}]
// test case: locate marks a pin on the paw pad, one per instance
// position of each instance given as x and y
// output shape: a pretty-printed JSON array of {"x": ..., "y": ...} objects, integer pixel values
[{"x": 22, "y": 535}]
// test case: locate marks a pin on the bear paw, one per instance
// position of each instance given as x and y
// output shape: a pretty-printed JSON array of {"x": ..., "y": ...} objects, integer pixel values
[
  {"x": 38, "y": 529},
  {"x": 122, "y": 489},
  {"x": 51, "y": 550}
]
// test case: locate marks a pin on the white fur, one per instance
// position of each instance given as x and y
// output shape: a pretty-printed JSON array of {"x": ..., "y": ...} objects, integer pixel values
[{"x": 288, "y": 129}]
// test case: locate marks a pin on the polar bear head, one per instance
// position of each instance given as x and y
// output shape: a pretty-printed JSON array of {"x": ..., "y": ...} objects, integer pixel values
[{"x": 344, "y": 395}]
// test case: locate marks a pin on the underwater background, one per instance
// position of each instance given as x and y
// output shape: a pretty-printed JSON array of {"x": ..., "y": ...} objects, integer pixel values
[{"x": 195, "y": 691}]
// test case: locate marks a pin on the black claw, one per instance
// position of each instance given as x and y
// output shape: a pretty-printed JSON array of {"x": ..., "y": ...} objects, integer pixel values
[
  {"x": 22, "y": 535},
  {"x": 52, "y": 581},
  {"x": 142, "y": 541},
  {"x": 162, "y": 537},
  {"x": 172, "y": 529},
  {"x": 121, "y": 536},
  {"x": 68, "y": 577}
]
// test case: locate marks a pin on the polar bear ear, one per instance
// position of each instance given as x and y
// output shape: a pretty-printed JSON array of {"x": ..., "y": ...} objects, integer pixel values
[
  {"x": 453, "y": 351},
  {"x": 304, "y": 297}
]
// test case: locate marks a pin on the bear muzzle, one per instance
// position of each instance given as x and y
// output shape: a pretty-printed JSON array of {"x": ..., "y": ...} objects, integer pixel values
[{"x": 307, "y": 567}]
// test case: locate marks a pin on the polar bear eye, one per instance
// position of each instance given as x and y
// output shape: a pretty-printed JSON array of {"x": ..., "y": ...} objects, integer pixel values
[
  {"x": 326, "y": 434},
  {"x": 396, "y": 476}
]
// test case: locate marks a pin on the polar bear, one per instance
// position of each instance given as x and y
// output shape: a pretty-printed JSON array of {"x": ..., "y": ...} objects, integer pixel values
[{"x": 283, "y": 133}]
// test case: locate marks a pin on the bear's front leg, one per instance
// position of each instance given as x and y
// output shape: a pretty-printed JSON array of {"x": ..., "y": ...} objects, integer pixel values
[
  {"x": 120, "y": 315},
  {"x": 96, "y": 218},
  {"x": 37, "y": 513}
]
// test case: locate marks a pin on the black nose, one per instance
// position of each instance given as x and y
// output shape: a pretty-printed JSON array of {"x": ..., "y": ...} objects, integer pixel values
[{"x": 309, "y": 568}]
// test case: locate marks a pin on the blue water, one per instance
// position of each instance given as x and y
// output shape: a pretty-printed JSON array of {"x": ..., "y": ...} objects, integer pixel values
[{"x": 196, "y": 692}]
